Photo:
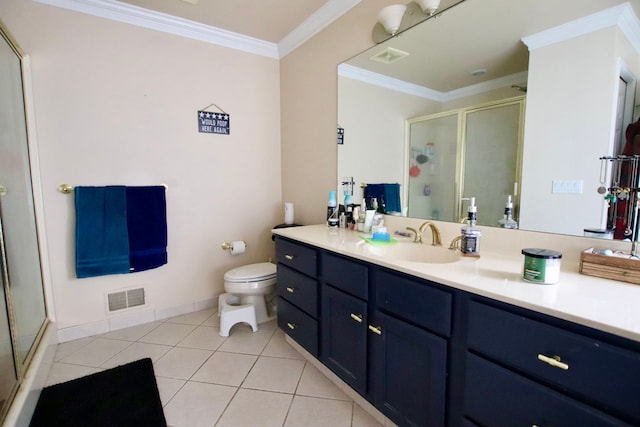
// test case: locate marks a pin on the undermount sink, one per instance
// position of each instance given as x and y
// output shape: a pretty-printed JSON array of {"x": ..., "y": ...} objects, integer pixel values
[{"x": 415, "y": 252}]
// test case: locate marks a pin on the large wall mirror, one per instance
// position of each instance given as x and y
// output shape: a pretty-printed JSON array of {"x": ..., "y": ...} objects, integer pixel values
[{"x": 573, "y": 66}]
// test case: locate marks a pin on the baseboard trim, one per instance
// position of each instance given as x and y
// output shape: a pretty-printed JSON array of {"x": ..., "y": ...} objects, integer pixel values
[{"x": 132, "y": 319}]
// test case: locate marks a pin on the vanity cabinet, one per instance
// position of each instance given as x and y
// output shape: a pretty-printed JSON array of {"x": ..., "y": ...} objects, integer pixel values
[
  {"x": 409, "y": 327},
  {"x": 297, "y": 287},
  {"x": 379, "y": 340},
  {"x": 408, "y": 371},
  {"x": 427, "y": 354},
  {"x": 345, "y": 290},
  {"x": 526, "y": 369}
]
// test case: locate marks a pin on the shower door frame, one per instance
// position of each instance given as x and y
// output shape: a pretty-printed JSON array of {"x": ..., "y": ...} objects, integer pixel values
[{"x": 22, "y": 360}]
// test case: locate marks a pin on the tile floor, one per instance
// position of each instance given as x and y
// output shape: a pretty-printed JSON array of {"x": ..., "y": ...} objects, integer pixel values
[{"x": 248, "y": 379}]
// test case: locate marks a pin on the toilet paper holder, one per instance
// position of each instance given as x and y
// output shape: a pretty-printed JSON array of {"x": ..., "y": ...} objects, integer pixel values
[{"x": 228, "y": 246}]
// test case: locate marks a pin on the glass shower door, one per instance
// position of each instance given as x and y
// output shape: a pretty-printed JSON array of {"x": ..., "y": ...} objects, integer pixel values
[
  {"x": 20, "y": 268},
  {"x": 433, "y": 164},
  {"x": 492, "y": 144}
]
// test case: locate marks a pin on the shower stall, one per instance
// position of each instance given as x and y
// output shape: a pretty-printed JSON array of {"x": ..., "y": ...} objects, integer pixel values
[{"x": 23, "y": 309}]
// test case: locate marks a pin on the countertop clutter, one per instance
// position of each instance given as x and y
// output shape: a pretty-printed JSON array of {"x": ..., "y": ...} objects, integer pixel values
[{"x": 607, "y": 305}]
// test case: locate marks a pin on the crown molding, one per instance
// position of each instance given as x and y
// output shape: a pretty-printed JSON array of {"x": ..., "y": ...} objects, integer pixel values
[
  {"x": 478, "y": 88},
  {"x": 322, "y": 18},
  {"x": 355, "y": 73},
  {"x": 141, "y": 17},
  {"x": 134, "y": 15},
  {"x": 621, "y": 16}
]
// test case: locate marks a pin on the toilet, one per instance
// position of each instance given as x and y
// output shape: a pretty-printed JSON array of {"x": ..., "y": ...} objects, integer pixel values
[{"x": 249, "y": 291}]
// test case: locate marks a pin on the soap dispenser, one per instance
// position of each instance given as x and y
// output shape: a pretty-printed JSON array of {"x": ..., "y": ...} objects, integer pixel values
[
  {"x": 507, "y": 221},
  {"x": 470, "y": 242}
]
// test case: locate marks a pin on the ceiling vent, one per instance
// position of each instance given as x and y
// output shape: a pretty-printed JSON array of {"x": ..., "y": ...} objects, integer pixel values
[{"x": 389, "y": 55}]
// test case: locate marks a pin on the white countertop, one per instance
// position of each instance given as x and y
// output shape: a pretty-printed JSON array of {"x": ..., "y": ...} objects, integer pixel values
[{"x": 607, "y": 305}]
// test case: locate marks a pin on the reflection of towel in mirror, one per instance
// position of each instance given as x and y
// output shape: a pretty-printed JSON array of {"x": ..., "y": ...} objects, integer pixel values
[
  {"x": 102, "y": 243},
  {"x": 389, "y": 193},
  {"x": 147, "y": 224}
]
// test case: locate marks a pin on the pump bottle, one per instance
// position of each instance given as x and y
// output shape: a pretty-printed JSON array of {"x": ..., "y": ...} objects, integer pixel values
[
  {"x": 332, "y": 210},
  {"x": 507, "y": 221},
  {"x": 470, "y": 242}
]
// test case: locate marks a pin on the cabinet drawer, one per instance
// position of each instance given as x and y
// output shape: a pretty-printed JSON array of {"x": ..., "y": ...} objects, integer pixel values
[
  {"x": 296, "y": 256},
  {"x": 415, "y": 301},
  {"x": 595, "y": 371},
  {"x": 496, "y": 397},
  {"x": 298, "y": 289},
  {"x": 346, "y": 275},
  {"x": 298, "y": 325}
]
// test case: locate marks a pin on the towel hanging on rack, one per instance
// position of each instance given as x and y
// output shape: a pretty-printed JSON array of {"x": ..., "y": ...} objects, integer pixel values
[
  {"x": 147, "y": 225},
  {"x": 120, "y": 229},
  {"x": 102, "y": 240}
]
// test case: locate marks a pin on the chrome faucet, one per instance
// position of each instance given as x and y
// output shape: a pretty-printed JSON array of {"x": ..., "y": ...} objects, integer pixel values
[{"x": 435, "y": 233}]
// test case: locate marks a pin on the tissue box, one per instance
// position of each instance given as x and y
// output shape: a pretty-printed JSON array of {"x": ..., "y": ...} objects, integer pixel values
[{"x": 616, "y": 267}]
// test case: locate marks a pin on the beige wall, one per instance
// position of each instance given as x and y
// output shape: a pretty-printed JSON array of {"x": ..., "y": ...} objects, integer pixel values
[
  {"x": 308, "y": 79},
  {"x": 117, "y": 104},
  {"x": 374, "y": 120}
]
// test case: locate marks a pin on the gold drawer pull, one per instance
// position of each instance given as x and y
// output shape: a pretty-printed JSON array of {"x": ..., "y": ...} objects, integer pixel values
[
  {"x": 554, "y": 361},
  {"x": 290, "y": 290},
  {"x": 357, "y": 317},
  {"x": 289, "y": 257},
  {"x": 375, "y": 329},
  {"x": 291, "y": 325}
]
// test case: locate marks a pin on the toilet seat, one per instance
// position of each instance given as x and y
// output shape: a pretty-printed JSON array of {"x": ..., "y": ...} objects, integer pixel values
[{"x": 262, "y": 271}]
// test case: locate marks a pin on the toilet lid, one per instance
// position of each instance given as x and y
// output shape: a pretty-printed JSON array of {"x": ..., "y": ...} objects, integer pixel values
[{"x": 251, "y": 272}]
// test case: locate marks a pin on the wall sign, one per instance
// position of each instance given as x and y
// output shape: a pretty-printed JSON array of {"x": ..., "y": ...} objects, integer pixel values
[
  {"x": 340, "y": 135},
  {"x": 209, "y": 122}
]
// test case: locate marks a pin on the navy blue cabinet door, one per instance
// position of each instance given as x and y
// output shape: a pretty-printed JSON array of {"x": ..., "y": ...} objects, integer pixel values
[
  {"x": 344, "y": 336},
  {"x": 408, "y": 372}
]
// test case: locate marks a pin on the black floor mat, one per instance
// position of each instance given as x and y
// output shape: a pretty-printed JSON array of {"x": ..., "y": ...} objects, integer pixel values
[{"x": 123, "y": 396}]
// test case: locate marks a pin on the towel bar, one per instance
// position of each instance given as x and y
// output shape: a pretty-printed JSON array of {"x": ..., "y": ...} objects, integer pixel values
[{"x": 68, "y": 189}]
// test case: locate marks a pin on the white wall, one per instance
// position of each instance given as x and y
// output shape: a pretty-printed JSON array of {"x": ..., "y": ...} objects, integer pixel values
[
  {"x": 374, "y": 121},
  {"x": 577, "y": 112},
  {"x": 117, "y": 104}
]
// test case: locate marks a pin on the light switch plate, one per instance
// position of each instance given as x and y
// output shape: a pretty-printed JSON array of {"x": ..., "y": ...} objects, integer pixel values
[{"x": 566, "y": 186}]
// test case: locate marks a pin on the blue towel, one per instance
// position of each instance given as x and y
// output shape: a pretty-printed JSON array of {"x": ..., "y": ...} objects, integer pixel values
[
  {"x": 389, "y": 193},
  {"x": 102, "y": 242},
  {"x": 147, "y": 224}
]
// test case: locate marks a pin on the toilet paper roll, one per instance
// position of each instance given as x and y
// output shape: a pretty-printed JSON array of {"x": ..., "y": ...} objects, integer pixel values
[
  {"x": 238, "y": 247},
  {"x": 288, "y": 213}
]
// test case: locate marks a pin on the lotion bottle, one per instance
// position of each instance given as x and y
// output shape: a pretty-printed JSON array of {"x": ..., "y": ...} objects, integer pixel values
[{"x": 470, "y": 243}]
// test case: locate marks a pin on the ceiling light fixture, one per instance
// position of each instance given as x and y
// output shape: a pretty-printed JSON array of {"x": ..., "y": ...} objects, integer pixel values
[
  {"x": 391, "y": 17},
  {"x": 429, "y": 6}
]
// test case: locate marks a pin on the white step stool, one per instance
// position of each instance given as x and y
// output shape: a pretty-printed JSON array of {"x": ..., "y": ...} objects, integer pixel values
[{"x": 231, "y": 314}]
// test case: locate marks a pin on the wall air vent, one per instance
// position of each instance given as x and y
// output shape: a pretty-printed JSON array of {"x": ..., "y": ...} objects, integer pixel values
[
  {"x": 389, "y": 55},
  {"x": 126, "y": 299}
]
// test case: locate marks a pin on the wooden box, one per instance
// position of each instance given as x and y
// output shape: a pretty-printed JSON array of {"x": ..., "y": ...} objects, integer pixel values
[{"x": 619, "y": 266}]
